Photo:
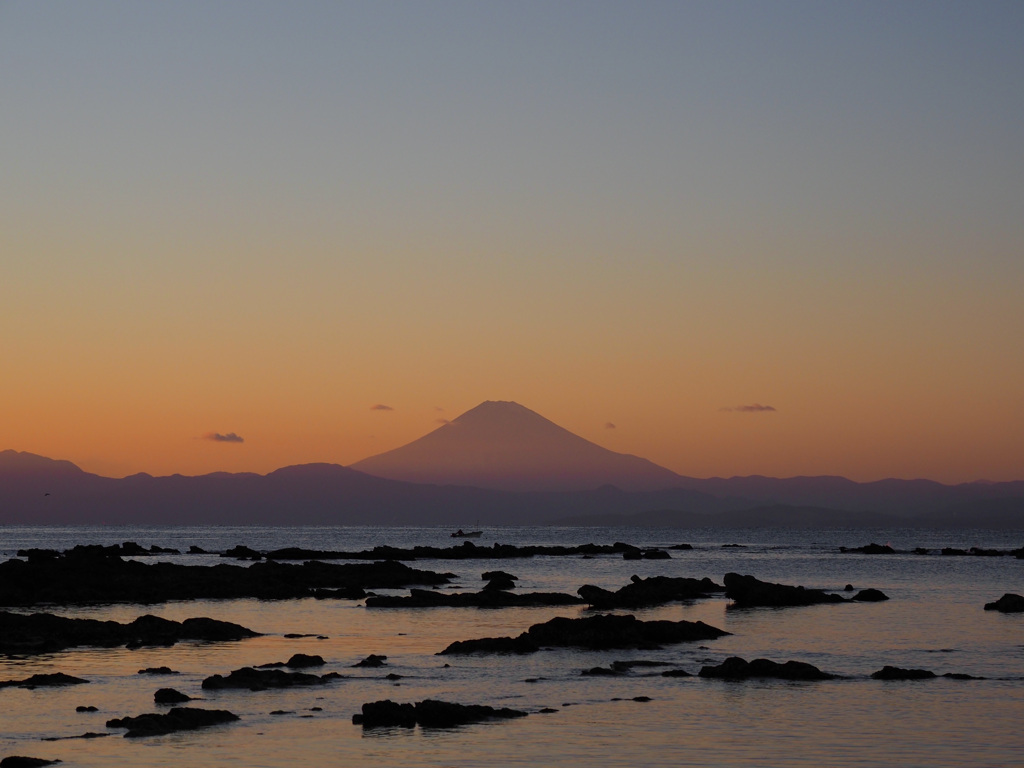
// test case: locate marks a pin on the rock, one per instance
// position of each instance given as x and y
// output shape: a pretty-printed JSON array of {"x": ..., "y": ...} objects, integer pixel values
[
  {"x": 681, "y": 546},
  {"x": 86, "y": 735},
  {"x": 19, "y": 761},
  {"x": 655, "y": 554},
  {"x": 241, "y": 552},
  {"x": 46, "y": 633},
  {"x": 870, "y": 549},
  {"x": 170, "y": 696},
  {"x": 178, "y": 719},
  {"x": 86, "y": 709},
  {"x": 641, "y": 699},
  {"x": 492, "y": 575},
  {"x": 656, "y": 590},
  {"x": 158, "y": 671},
  {"x": 500, "y": 583},
  {"x": 95, "y": 577},
  {"x": 194, "y": 550},
  {"x": 870, "y": 596},
  {"x": 386, "y": 714},
  {"x": 262, "y": 679},
  {"x": 303, "y": 660},
  {"x": 735, "y": 668},
  {"x": 633, "y": 553},
  {"x": 431, "y": 713},
  {"x": 676, "y": 673},
  {"x": 51, "y": 680},
  {"x": 1008, "y": 603},
  {"x": 922, "y": 551},
  {"x": 748, "y": 591},
  {"x": 372, "y": 660},
  {"x": 898, "y": 673},
  {"x": 592, "y": 632},
  {"x": 601, "y": 672}
]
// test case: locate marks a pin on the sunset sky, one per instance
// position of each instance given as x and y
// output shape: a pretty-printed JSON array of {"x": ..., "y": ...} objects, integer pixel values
[{"x": 259, "y": 221}]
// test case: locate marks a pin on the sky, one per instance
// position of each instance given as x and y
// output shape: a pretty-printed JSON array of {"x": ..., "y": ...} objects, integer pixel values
[{"x": 242, "y": 235}]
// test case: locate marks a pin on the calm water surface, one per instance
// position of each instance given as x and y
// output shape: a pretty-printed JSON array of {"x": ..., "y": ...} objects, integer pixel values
[{"x": 934, "y": 620}]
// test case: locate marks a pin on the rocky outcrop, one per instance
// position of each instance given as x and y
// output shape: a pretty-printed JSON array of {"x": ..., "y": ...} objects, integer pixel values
[
  {"x": 253, "y": 679},
  {"x": 899, "y": 673},
  {"x": 1008, "y": 603},
  {"x": 747, "y": 591},
  {"x": 373, "y": 661},
  {"x": 465, "y": 551},
  {"x": 593, "y": 632},
  {"x": 100, "y": 578},
  {"x": 170, "y": 696},
  {"x": 46, "y": 633},
  {"x": 20, "y": 761},
  {"x": 655, "y": 590},
  {"x": 297, "y": 661},
  {"x": 429, "y": 713},
  {"x": 51, "y": 680},
  {"x": 735, "y": 668},
  {"x": 178, "y": 719},
  {"x": 486, "y": 598},
  {"x": 870, "y": 549}
]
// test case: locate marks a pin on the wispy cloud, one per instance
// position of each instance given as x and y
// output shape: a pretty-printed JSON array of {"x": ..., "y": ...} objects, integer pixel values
[
  {"x": 381, "y": 407},
  {"x": 609, "y": 425},
  {"x": 754, "y": 408},
  {"x": 230, "y": 437}
]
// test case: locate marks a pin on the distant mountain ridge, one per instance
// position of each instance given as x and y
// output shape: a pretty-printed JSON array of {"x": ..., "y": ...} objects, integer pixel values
[{"x": 502, "y": 445}]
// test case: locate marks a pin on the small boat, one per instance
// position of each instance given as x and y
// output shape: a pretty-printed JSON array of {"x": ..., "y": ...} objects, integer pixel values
[{"x": 461, "y": 534}]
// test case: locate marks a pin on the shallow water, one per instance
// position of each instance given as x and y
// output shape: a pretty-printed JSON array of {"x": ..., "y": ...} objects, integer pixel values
[{"x": 934, "y": 620}]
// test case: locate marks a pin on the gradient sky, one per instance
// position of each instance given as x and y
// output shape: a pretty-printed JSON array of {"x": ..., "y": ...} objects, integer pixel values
[{"x": 263, "y": 219}]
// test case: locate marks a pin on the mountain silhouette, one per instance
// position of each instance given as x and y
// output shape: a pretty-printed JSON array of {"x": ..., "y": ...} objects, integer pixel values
[{"x": 502, "y": 445}]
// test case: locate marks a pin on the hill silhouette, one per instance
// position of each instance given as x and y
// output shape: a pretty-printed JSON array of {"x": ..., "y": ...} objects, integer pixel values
[{"x": 502, "y": 445}]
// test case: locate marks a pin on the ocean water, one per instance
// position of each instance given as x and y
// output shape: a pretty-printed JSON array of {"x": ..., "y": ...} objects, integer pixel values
[{"x": 934, "y": 620}]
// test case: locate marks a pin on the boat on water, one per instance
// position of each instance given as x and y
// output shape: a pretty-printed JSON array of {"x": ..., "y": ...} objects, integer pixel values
[{"x": 461, "y": 534}]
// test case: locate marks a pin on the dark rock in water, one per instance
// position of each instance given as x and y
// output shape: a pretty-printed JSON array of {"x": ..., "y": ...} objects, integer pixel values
[
  {"x": 734, "y": 546},
  {"x": 373, "y": 660},
  {"x": 547, "y": 710},
  {"x": 97, "y": 578},
  {"x": 46, "y": 633},
  {"x": 656, "y": 554},
  {"x": 20, "y": 761},
  {"x": 385, "y": 714},
  {"x": 633, "y": 553},
  {"x": 602, "y": 672},
  {"x": 735, "y": 668},
  {"x": 962, "y": 676},
  {"x": 431, "y": 713},
  {"x": 282, "y": 712},
  {"x": 898, "y": 673},
  {"x": 392, "y": 676},
  {"x": 261, "y": 679},
  {"x": 656, "y": 590},
  {"x": 676, "y": 673},
  {"x": 981, "y": 552},
  {"x": 500, "y": 583},
  {"x": 347, "y": 593},
  {"x": 89, "y": 708},
  {"x": 954, "y": 552},
  {"x": 194, "y": 550},
  {"x": 486, "y": 598},
  {"x": 592, "y": 632},
  {"x": 155, "y": 550},
  {"x": 170, "y": 696},
  {"x": 178, "y": 719},
  {"x": 492, "y": 575},
  {"x": 1008, "y": 603},
  {"x": 52, "y": 680},
  {"x": 158, "y": 671},
  {"x": 748, "y": 591},
  {"x": 86, "y": 735},
  {"x": 297, "y": 661},
  {"x": 870, "y": 549},
  {"x": 681, "y": 546},
  {"x": 922, "y": 551},
  {"x": 848, "y": 588},
  {"x": 870, "y": 596},
  {"x": 241, "y": 552},
  {"x": 641, "y": 699}
]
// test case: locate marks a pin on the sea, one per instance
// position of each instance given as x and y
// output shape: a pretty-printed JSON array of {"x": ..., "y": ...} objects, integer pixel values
[{"x": 934, "y": 619}]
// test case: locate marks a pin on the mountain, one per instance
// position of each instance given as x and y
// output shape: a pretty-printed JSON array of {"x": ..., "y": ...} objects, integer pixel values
[{"x": 504, "y": 446}]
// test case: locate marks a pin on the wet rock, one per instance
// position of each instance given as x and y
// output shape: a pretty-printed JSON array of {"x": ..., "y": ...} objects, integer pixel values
[
  {"x": 372, "y": 660},
  {"x": 347, "y": 593},
  {"x": 392, "y": 676},
  {"x": 89, "y": 708},
  {"x": 655, "y": 554},
  {"x": 870, "y": 596},
  {"x": 158, "y": 671},
  {"x": 261, "y": 679},
  {"x": 898, "y": 673},
  {"x": 51, "y": 680},
  {"x": 681, "y": 546},
  {"x": 870, "y": 549},
  {"x": 194, "y": 550},
  {"x": 432, "y": 713},
  {"x": 735, "y": 668},
  {"x": 656, "y": 590},
  {"x": 592, "y": 632},
  {"x": 46, "y": 633},
  {"x": 486, "y": 598},
  {"x": 492, "y": 575},
  {"x": 178, "y": 719},
  {"x": 465, "y": 551},
  {"x": 601, "y": 672},
  {"x": 676, "y": 673},
  {"x": 386, "y": 714},
  {"x": 1008, "y": 603},
  {"x": 241, "y": 552},
  {"x": 297, "y": 661},
  {"x": 748, "y": 591},
  {"x": 20, "y": 761},
  {"x": 642, "y": 699},
  {"x": 170, "y": 696},
  {"x": 547, "y": 710},
  {"x": 86, "y": 735},
  {"x": 98, "y": 578},
  {"x": 633, "y": 553},
  {"x": 500, "y": 582}
]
